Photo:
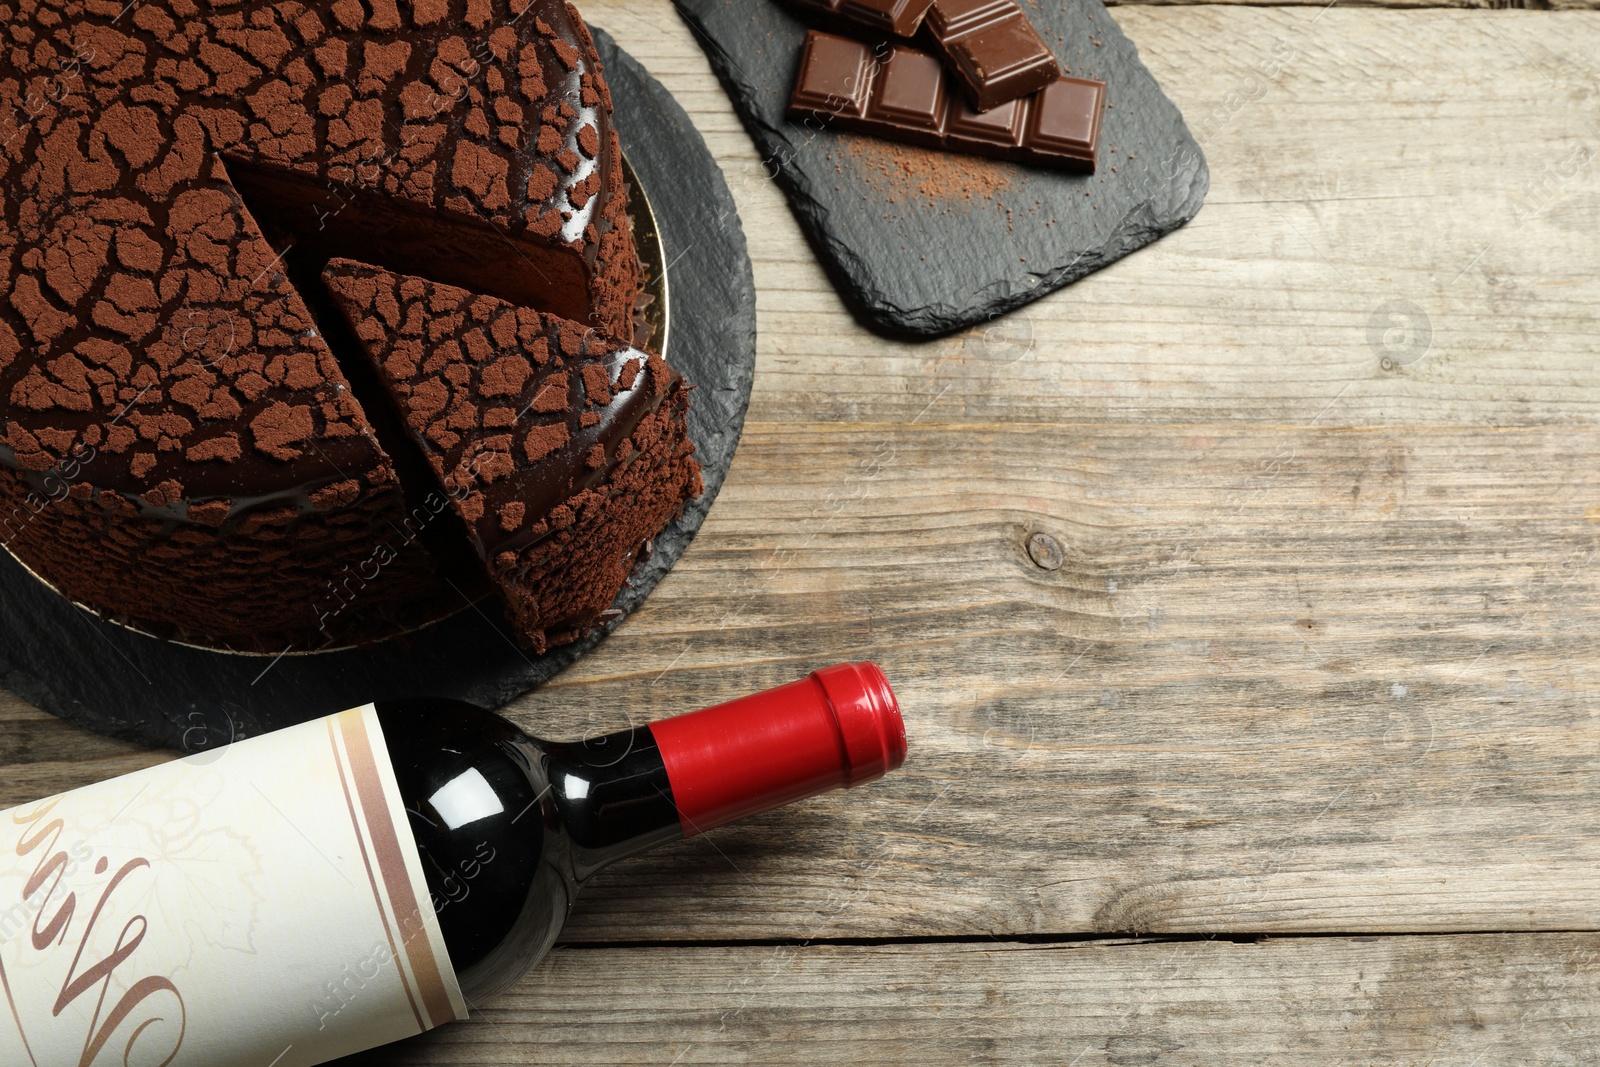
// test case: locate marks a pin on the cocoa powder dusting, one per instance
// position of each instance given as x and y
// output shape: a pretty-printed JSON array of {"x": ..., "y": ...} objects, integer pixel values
[{"x": 944, "y": 181}]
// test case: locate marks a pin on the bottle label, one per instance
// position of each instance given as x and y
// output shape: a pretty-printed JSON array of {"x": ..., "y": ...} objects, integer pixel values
[{"x": 262, "y": 905}]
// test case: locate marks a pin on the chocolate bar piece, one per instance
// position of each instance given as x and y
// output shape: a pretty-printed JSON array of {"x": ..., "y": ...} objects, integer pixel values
[
  {"x": 905, "y": 96},
  {"x": 902, "y": 18},
  {"x": 990, "y": 44},
  {"x": 993, "y": 46}
]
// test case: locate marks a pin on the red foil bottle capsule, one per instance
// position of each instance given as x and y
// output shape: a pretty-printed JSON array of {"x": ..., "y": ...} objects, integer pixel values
[{"x": 838, "y": 727}]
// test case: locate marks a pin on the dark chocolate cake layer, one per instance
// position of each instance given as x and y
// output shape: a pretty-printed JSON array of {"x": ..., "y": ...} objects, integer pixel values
[
  {"x": 562, "y": 451},
  {"x": 178, "y": 446}
]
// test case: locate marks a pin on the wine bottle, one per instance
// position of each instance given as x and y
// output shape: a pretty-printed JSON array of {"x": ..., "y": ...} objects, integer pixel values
[{"x": 306, "y": 894}]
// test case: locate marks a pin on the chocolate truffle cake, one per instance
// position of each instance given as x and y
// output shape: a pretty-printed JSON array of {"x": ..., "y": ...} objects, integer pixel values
[
  {"x": 179, "y": 445},
  {"x": 562, "y": 451}
]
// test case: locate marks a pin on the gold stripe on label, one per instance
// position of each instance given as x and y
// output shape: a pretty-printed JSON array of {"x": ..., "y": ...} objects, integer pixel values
[
  {"x": 392, "y": 868},
  {"x": 377, "y": 898}
]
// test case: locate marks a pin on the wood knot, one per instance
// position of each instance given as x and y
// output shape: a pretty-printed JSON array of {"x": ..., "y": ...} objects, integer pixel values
[{"x": 1046, "y": 552}]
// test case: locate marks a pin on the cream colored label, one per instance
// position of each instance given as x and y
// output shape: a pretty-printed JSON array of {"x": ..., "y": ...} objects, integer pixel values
[{"x": 259, "y": 906}]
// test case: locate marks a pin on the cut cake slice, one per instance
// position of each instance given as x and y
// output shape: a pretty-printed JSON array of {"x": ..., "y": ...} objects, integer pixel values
[{"x": 564, "y": 452}]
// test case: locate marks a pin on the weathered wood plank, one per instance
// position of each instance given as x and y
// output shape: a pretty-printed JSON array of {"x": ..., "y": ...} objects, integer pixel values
[
  {"x": 1323, "y": 1002},
  {"x": 1319, "y": 653},
  {"x": 41, "y": 755},
  {"x": 1358, "y": 157},
  {"x": 1284, "y": 679},
  {"x": 1288, "y": 676}
]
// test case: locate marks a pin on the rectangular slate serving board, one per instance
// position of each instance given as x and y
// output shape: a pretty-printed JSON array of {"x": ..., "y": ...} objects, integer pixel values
[{"x": 921, "y": 243}]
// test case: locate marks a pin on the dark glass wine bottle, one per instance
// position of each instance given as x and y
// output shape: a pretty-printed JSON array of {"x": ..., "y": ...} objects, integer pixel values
[{"x": 509, "y": 827}]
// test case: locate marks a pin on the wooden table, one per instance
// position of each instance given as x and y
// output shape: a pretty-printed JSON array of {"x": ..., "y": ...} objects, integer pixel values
[{"x": 1241, "y": 599}]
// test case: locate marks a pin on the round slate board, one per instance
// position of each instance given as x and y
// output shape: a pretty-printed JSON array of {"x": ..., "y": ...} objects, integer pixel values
[
  {"x": 919, "y": 246},
  {"x": 118, "y": 682}
]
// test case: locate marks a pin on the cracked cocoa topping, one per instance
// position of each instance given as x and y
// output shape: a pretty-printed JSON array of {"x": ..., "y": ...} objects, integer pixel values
[
  {"x": 561, "y": 450},
  {"x": 179, "y": 446}
]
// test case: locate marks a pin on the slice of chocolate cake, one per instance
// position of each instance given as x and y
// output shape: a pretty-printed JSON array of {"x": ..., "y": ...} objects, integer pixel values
[
  {"x": 563, "y": 452},
  {"x": 179, "y": 448}
]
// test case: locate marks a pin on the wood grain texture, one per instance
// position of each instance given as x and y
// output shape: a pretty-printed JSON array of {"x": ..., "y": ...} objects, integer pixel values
[
  {"x": 1356, "y": 599},
  {"x": 1316, "y": 658},
  {"x": 41, "y": 755},
  {"x": 1215, "y": 603},
  {"x": 1285, "y": 678},
  {"x": 1325, "y": 1002},
  {"x": 1357, "y": 157}
]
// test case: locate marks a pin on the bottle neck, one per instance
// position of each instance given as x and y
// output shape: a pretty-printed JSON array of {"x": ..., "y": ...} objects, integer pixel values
[
  {"x": 613, "y": 795},
  {"x": 623, "y": 793}
]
